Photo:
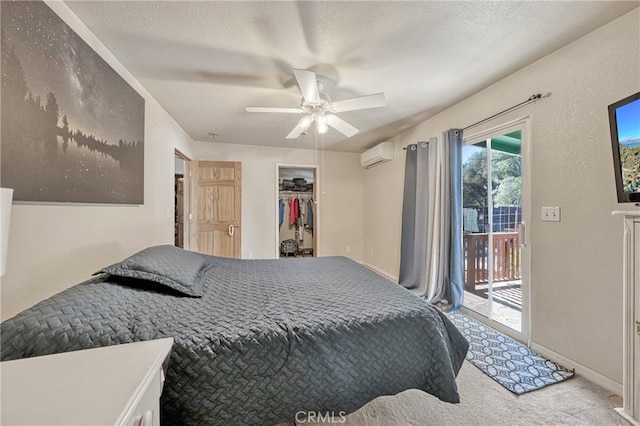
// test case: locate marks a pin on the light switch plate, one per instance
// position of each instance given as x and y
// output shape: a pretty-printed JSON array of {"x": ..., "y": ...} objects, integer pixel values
[{"x": 551, "y": 214}]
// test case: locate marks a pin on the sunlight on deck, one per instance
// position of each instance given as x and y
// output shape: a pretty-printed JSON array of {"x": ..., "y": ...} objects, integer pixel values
[{"x": 507, "y": 303}]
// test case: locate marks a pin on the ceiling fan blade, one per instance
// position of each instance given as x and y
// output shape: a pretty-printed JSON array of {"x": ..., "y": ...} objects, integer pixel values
[
  {"x": 302, "y": 126},
  {"x": 275, "y": 109},
  {"x": 340, "y": 125},
  {"x": 308, "y": 83},
  {"x": 361, "y": 102}
]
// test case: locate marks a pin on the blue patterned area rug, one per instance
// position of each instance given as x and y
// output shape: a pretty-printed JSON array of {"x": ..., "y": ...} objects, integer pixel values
[{"x": 506, "y": 361}]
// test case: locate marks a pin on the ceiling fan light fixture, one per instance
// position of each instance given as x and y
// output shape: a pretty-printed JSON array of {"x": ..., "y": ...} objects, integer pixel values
[
  {"x": 317, "y": 106},
  {"x": 321, "y": 124},
  {"x": 322, "y": 128}
]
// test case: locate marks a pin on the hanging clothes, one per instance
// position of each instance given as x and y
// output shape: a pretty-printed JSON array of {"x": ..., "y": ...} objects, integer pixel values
[
  {"x": 293, "y": 211},
  {"x": 300, "y": 218},
  {"x": 281, "y": 210},
  {"x": 310, "y": 214},
  {"x": 298, "y": 212},
  {"x": 300, "y": 209},
  {"x": 299, "y": 221},
  {"x": 299, "y": 234}
]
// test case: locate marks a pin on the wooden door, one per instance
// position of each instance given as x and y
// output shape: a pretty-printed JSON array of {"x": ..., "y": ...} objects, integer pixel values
[{"x": 218, "y": 212}]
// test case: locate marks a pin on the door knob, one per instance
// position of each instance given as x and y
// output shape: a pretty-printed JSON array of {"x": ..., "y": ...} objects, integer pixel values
[{"x": 232, "y": 229}]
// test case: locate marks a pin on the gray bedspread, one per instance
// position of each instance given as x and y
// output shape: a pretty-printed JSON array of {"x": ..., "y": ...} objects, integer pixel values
[{"x": 267, "y": 339}]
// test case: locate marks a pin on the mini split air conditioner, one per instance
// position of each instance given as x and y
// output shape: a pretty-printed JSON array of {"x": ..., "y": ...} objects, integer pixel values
[{"x": 379, "y": 154}]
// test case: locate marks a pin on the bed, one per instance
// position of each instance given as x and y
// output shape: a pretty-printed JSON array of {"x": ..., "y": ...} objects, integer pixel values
[{"x": 256, "y": 341}]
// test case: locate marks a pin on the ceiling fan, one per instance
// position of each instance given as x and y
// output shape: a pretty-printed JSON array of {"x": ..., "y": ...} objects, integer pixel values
[{"x": 318, "y": 107}]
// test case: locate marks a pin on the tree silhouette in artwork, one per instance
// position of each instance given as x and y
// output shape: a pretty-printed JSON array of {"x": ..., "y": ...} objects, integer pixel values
[
  {"x": 53, "y": 111},
  {"x": 65, "y": 124},
  {"x": 14, "y": 84},
  {"x": 26, "y": 121},
  {"x": 62, "y": 111}
]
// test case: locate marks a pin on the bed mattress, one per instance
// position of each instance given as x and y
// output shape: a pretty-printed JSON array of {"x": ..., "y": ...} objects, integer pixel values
[{"x": 268, "y": 338}]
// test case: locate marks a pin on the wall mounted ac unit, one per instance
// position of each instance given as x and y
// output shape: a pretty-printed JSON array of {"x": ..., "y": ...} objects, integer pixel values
[{"x": 379, "y": 154}]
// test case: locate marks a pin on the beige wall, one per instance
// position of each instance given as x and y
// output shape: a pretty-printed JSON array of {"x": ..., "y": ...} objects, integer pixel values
[
  {"x": 576, "y": 264},
  {"x": 52, "y": 247},
  {"x": 341, "y": 197}
]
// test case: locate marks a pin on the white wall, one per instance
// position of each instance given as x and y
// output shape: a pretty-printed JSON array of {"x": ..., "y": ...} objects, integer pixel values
[
  {"x": 576, "y": 264},
  {"x": 341, "y": 200},
  {"x": 52, "y": 247}
]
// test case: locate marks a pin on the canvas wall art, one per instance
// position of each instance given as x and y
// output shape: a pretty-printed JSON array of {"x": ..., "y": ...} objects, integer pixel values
[{"x": 72, "y": 129}]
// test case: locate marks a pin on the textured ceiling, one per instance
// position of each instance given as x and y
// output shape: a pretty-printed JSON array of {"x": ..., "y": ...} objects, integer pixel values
[{"x": 205, "y": 61}]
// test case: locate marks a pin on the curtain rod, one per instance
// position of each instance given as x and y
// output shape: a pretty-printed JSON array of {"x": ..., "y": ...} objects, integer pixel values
[{"x": 532, "y": 98}]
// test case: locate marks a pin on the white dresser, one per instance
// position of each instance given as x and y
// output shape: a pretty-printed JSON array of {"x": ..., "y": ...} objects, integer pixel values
[
  {"x": 630, "y": 411},
  {"x": 114, "y": 385}
]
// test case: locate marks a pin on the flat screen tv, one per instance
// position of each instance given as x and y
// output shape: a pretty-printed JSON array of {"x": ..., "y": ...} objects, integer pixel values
[{"x": 624, "y": 122}]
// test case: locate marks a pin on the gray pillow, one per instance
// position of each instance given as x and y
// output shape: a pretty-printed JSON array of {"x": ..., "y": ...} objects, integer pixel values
[{"x": 169, "y": 266}]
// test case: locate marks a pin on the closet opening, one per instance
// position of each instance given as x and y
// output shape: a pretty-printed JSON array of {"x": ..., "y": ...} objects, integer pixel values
[
  {"x": 181, "y": 201},
  {"x": 296, "y": 211}
]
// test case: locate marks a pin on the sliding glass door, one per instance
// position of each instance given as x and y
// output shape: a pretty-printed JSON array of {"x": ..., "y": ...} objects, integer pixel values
[{"x": 493, "y": 227}]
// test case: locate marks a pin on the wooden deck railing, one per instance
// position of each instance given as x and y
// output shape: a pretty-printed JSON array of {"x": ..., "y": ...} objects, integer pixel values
[{"x": 506, "y": 258}]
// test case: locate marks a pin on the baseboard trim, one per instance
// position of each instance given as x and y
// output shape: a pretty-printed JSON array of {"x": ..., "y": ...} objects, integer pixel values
[
  {"x": 382, "y": 272},
  {"x": 597, "y": 378}
]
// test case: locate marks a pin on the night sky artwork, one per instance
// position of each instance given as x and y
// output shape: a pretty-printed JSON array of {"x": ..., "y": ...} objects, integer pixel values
[{"x": 72, "y": 129}]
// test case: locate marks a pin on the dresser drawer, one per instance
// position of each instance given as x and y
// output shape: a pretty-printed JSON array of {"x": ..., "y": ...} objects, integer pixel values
[
  {"x": 114, "y": 385},
  {"x": 147, "y": 410}
]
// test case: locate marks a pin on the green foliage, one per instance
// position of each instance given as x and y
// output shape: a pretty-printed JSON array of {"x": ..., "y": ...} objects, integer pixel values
[
  {"x": 474, "y": 180},
  {"x": 505, "y": 172},
  {"x": 630, "y": 158},
  {"x": 508, "y": 192}
]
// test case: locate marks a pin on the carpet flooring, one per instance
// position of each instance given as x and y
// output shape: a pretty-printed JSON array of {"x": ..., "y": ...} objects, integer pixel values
[{"x": 484, "y": 402}]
